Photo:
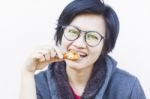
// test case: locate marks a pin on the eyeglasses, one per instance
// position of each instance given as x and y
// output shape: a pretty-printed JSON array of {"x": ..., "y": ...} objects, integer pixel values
[{"x": 92, "y": 38}]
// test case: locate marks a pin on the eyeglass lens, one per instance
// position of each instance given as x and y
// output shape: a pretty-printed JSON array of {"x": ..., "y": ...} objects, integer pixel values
[{"x": 72, "y": 33}]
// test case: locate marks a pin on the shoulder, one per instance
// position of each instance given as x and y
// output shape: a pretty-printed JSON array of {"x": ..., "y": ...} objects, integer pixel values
[
  {"x": 123, "y": 84},
  {"x": 43, "y": 76},
  {"x": 42, "y": 80},
  {"x": 122, "y": 81},
  {"x": 46, "y": 84},
  {"x": 123, "y": 76}
]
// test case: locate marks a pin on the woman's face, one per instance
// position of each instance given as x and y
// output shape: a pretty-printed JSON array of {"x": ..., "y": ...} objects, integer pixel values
[{"x": 89, "y": 55}]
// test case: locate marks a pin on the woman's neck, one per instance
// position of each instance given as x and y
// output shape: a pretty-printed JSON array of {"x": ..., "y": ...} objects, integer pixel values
[{"x": 78, "y": 78}]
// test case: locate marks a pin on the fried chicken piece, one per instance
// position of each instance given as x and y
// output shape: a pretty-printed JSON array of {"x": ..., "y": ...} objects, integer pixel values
[{"x": 71, "y": 55}]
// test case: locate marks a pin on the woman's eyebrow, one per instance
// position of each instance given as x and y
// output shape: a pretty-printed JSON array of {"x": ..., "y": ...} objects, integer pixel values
[{"x": 84, "y": 30}]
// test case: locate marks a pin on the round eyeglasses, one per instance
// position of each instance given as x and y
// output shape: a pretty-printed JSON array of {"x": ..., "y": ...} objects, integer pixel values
[{"x": 92, "y": 38}]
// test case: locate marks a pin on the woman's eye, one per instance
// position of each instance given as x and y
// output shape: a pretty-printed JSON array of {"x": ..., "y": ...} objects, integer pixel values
[
  {"x": 72, "y": 31},
  {"x": 93, "y": 37}
]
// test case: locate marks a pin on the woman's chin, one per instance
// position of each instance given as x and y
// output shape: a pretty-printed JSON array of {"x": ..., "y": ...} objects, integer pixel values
[{"x": 75, "y": 64}]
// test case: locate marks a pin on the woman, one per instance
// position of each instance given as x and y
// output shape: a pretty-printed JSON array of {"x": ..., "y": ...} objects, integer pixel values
[{"x": 90, "y": 28}]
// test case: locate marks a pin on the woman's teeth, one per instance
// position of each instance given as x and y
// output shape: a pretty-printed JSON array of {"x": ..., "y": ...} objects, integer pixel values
[{"x": 83, "y": 55}]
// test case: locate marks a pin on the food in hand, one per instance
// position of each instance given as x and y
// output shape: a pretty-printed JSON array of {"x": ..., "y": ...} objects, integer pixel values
[{"x": 71, "y": 55}]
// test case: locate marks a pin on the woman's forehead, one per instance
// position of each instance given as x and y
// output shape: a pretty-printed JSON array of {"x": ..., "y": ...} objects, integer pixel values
[{"x": 87, "y": 22}]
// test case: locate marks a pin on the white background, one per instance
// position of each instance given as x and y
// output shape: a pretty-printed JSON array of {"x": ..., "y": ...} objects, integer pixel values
[{"x": 26, "y": 24}]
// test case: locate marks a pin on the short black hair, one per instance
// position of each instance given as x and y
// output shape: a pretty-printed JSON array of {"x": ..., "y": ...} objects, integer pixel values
[{"x": 77, "y": 7}]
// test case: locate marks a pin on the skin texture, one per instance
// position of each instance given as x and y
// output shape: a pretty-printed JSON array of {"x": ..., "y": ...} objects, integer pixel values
[{"x": 78, "y": 71}]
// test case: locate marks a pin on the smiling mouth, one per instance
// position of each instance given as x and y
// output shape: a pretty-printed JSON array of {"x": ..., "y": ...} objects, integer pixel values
[{"x": 83, "y": 55}]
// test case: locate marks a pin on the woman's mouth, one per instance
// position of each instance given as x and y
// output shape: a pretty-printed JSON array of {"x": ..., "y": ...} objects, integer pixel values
[{"x": 83, "y": 55}]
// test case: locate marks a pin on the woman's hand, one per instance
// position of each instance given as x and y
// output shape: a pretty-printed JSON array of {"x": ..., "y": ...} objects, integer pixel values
[{"x": 41, "y": 57}]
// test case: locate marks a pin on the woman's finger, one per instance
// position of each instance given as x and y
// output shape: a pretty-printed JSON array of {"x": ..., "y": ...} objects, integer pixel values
[{"x": 58, "y": 51}]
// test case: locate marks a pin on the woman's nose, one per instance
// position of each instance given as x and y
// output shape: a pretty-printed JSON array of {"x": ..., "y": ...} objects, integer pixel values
[{"x": 80, "y": 42}]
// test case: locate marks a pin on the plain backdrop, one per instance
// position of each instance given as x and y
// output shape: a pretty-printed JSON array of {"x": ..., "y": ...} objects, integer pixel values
[{"x": 27, "y": 24}]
